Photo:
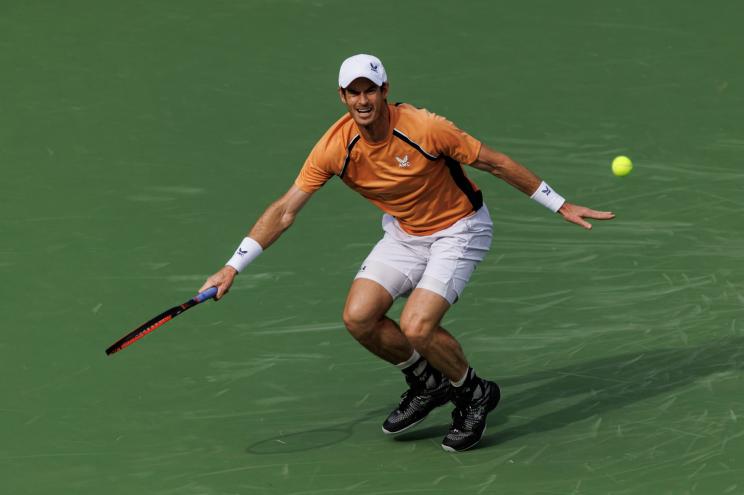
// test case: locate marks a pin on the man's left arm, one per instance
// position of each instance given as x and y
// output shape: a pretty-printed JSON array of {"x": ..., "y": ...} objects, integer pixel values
[{"x": 522, "y": 178}]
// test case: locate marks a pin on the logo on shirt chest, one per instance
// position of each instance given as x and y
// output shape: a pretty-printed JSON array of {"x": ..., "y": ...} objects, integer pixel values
[{"x": 403, "y": 162}]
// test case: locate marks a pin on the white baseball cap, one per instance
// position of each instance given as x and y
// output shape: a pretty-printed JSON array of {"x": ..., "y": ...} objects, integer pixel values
[{"x": 361, "y": 65}]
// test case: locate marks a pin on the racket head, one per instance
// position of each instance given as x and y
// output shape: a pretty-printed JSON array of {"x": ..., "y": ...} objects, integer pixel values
[
  {"x": 159, "y": 320},
  {"x": 143, "y": 330}
]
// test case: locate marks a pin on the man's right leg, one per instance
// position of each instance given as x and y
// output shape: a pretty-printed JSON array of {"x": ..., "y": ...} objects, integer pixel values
[{"x": 364, "y": 317}]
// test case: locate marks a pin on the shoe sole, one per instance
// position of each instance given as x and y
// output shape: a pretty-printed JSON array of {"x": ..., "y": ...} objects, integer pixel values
[
  {"x": 386, "y": 432},
  {"x": 451, "y": 449}
]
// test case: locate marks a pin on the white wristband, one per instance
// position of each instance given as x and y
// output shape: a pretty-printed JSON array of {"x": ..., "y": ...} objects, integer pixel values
[
  {"x": 248, "y": 251},
  {"x": 546, "y": 196}
]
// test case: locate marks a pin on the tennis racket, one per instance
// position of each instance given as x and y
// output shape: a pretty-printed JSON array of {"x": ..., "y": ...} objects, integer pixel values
[{"x": 160, "y": 319}]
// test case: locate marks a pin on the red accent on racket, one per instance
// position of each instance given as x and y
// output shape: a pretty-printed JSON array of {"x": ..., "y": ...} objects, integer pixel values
[{"x": 160, "y": 319}]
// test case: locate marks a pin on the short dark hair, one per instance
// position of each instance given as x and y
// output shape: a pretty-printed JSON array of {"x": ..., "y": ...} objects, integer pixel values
[{"x": 375, "y": 85}]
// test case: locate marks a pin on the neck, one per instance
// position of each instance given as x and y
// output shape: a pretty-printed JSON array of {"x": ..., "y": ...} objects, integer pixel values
[{"x": 378, "y": 130}]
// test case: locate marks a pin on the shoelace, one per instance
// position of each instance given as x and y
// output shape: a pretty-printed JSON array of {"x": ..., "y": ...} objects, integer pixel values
[
  {"x": 405, "y": 399},
  {"x": 468, "y": 416},
  {"x": 408, "y": 397},
  {"x": 415, "y": 394},
  {"x": 458, "y": 419}
]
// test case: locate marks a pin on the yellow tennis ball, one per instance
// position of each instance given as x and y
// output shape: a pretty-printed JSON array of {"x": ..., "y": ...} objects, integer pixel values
[{"x": 621, "y": 166}]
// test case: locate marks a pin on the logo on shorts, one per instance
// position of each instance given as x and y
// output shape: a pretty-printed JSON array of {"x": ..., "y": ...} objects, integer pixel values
[
  {"x": 403, "y": 162},
  {"x": 363, "y": 268}
]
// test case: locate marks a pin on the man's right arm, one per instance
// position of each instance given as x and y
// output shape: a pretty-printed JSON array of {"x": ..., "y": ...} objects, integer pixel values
[{"x": 270, "y": 226}]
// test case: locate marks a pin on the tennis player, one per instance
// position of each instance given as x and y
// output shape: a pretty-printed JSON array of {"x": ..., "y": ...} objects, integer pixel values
[{"x": 409, "y": 163}]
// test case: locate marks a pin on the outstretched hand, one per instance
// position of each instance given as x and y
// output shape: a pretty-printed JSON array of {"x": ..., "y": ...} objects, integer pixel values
[
  {"x": 576, "y": 214},
  {"x": 223, "y": 279}
]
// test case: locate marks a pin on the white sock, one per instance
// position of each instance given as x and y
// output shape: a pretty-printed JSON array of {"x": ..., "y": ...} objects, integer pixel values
[
  {"x": 461, "y": 381},
  {"x": 408, "y": 362}
]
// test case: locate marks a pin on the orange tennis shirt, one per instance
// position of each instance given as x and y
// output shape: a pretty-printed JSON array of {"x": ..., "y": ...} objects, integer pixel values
[{"x": 415, "y": 174}]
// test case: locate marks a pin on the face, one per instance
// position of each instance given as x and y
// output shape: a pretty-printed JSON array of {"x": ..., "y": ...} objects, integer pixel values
[{"x": 364, "y": 100}]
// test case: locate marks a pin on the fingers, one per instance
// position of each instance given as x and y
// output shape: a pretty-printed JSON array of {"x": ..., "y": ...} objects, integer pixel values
[
  {"x": 223, "y": 280},
  {"x": 580, "y": 221},
  {"x": 215, "y": 281},
  {"x": 222, "y": 289},
  {"x": 599, "y": 215},
  {"x": 576, "y": 214}
]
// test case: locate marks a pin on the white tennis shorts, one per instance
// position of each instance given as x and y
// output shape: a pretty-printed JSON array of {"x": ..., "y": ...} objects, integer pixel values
[{"x": 441, "y": 262}]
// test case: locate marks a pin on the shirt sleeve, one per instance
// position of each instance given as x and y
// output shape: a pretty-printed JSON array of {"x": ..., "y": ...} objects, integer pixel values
[
  {"x": 315, "y": 172},
  {"x": 451, "y": 141}
]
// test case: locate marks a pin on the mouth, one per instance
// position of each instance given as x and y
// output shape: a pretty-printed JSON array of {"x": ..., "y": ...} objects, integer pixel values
[{"x": 364, "y": 111}]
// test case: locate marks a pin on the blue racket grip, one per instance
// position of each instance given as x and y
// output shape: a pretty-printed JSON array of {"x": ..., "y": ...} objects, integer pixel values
[{"x": 207, "y": 294}]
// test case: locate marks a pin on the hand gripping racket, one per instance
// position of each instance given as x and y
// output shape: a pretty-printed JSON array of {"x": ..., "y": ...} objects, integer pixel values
[{"x": 163, "y": 317}]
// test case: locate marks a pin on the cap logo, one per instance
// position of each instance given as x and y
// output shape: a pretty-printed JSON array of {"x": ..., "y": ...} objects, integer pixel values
[{"x": 373, "y": 66}]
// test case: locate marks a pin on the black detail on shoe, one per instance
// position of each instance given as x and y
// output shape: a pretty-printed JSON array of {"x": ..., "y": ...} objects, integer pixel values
[
  {"x": 428, "y": 389},
  {"x": 472, "y": 405}
]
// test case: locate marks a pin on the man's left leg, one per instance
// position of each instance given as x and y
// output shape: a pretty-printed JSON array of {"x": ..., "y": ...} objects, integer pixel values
[
  {"x": 420, "y": 324},
  {"x": 474, "y": 397}
]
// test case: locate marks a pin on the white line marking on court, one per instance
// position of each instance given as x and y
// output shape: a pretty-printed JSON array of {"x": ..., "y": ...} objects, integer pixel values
[
  {"x": 486, "y": 484},
  {"x": 537, "y": 454},
  {"x": 508, "y": 456}
]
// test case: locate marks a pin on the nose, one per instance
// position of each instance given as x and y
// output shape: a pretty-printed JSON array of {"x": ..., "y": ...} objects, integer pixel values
[{"x": 363, "y": 98}]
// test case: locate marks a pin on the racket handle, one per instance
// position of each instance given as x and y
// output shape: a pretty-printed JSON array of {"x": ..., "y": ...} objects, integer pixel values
[{"x": 207, "y": 294}]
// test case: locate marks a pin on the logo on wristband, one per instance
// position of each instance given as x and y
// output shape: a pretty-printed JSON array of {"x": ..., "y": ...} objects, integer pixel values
[
  {"x": 546, "y": 191},
  {"x": 241, "y": 252}
]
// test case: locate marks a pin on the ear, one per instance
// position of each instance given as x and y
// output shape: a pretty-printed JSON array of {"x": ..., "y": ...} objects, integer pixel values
[
  {"x": 342, "y": 95},
  {"x": 384, "y": 88}
]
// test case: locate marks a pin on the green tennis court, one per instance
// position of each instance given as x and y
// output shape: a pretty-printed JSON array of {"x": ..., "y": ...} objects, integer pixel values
[{"x": 140, "y": 140}]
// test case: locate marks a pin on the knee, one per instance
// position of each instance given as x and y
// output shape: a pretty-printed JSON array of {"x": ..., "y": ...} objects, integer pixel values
[
  {"x": 359, "y": 322},
  {"x": 418, "y": 330}
]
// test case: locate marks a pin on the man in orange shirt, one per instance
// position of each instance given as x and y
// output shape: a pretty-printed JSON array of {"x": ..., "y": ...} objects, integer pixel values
[{"x": 408, "y": 162}]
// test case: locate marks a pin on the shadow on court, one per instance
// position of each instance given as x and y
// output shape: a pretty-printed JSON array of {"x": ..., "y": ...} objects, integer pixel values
[
  {"x": 604, "y": 385},
  {"x": 592, "y": 387},
  {"x": 302, "y": 441},
  {"x": 598, "y": 386}
]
